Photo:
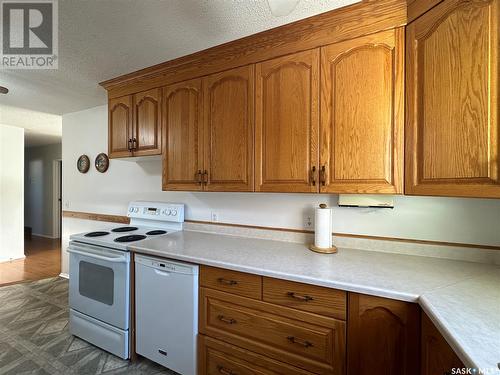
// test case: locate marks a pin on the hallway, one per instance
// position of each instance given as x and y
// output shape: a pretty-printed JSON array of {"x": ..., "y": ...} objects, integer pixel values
[{"x": 43, "y": 259}]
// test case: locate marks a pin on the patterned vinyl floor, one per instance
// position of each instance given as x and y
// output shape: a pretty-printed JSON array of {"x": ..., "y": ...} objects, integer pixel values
[{"x": 34, "y": 337}]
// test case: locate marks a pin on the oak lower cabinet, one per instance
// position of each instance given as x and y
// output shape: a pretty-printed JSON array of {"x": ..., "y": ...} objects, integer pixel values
[
  {"x": 438, "y": 358},
  {"x": 452, "y": 130},
  {"x": 287, "y": 122},
  {"x": 209, "y": 127},
  {"x": 362, "y": 115},
  {"x": 283, "y": 328},
  {"x": 383, "y": 336},
  {"x": 134, "y": 125}
]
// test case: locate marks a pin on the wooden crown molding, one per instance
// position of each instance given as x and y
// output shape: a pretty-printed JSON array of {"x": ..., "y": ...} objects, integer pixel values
[
  {"x": 126, "y": 220},
  {"x": 363, "y": 18}
]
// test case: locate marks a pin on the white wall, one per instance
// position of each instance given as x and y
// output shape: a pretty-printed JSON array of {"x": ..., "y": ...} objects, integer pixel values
[
  {"x": 443, "y": 219},
  {"x": 11, "y": 192},
  {"x": 39, "y": 188}
]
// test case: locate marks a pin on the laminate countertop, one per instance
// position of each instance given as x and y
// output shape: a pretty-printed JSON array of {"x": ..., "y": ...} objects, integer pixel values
[{"x": 461, "y": 298}]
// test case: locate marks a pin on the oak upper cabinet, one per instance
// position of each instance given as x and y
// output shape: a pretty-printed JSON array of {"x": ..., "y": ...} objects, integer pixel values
[
  {"x": 362, "y": 114},
  {"x": 383, "y": 336},
  {"x": 437, "y": 356},
  {"x": 147, "y": 123},
  {"x": 120, "y": 127},
  {"x": 452, "y": 100},
  {"x": 183, "y": 136},
  {"x": 229, "y": 130},
  {"x": 287, "y": 121},
  {"x": 135, "y": 125}
]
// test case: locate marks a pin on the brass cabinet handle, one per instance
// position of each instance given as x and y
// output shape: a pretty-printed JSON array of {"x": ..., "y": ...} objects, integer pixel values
[
  {"x": 224, "y": 371},
  {"x": 134, "y": 144},
  {"x": 312, "y": 176},
  {"x": 198, "y": 177},
  {"x": 323, "y": 175},
  {"x": 222, "y": 318},
  {"x": 295, "y": 340},
  {"x": 304, "y": 298},
  {"x": 130, "y": 144},
  {"x": 226, "y": 281},
  {"x": 205, "y": 177}
]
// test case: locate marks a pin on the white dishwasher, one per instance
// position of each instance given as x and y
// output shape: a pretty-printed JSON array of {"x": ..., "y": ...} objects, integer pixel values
[{"x": 166, "y": 308}]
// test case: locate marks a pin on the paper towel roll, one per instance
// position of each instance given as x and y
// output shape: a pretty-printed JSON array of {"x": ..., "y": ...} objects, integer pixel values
[{"x": 323, "y": 227}]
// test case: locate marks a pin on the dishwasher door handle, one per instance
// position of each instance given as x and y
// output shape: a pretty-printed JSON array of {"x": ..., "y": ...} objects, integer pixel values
[{"x": 162, "y": 273}]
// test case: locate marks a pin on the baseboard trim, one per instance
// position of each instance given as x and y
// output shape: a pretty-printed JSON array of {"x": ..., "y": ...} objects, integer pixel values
[
  {"x": 125, "y": 220},
  {"x": 64, "y": 275}
]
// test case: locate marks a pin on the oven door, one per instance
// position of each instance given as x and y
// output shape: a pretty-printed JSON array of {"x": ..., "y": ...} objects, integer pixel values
[{"x": 99, "y": 283}]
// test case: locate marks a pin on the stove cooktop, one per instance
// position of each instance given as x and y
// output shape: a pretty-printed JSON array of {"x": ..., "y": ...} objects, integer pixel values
[{"x": 120, "y": 237}]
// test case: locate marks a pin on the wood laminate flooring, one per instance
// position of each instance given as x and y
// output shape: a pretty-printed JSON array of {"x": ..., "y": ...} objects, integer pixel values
[{"x": 43, "y": 259}]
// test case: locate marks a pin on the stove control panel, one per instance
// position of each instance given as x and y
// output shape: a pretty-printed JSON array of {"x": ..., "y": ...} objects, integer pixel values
[{"x": 156, "y": 211}]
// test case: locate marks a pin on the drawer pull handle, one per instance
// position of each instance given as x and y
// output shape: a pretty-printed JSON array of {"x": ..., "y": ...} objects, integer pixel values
[
  {"x": 226, "y": 282},
  {"x": 222, "y": 318},
  {"x": 224, "y": 371},
  {"x": 295, "y": 340},
  {"x": 299, "y": 297}
]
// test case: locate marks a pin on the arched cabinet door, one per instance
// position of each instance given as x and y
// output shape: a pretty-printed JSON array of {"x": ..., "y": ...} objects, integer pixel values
[
  {"x": 362, "y": 114},
  {"x": 183, "y": 136},
  {"x": 229, "y": 128},
  {"x": 383, "y": 336},
  {"x": 147, "y": 123},
  {"x": 287, "y": 121},
  {"x": 120, "y": 127},
  {"x": 452, "y": 100}
]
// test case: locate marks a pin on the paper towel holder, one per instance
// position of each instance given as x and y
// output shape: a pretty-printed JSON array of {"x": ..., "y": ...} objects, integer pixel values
[{"x": 322, "y": 250}]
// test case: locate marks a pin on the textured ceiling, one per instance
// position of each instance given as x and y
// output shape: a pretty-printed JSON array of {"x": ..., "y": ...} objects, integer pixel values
[
  {"x": 39, "y": 128},
  {"x": 101, "y": 39}
]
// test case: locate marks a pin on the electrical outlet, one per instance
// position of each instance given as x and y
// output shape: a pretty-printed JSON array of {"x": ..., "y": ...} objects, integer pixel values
[
  {"x": 214, "y": 216},
  {"x": 308, "y": 222}
]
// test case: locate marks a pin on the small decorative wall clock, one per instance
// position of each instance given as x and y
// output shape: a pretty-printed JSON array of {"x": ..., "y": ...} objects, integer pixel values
[
  {"x": 83, "y": 164},
  {"x": 102, "y": 162}
]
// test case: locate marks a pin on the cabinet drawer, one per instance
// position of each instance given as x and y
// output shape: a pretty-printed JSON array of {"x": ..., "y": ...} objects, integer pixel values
[
  {"x": 220, "y": 358},
  {"x": 312, "y": 342},
  {"x": 315, "y": 299},
  {"x": 243, "y": 284}
]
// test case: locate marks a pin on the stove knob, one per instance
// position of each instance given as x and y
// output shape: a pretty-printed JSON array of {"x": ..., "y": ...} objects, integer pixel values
[
  {"x": 131, "y": 209},
  {"x": 136, "y": 209},
  {"x": 174, "y": 212}
]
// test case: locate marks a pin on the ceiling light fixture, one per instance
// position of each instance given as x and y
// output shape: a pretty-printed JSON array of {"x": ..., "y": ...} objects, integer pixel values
[
  {"x": 280, "y": 8},
  {"x": 3, "y": 90}
]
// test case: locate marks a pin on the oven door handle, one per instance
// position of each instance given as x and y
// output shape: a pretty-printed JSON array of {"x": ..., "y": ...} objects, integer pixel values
[{"x": 96, "y": 256}]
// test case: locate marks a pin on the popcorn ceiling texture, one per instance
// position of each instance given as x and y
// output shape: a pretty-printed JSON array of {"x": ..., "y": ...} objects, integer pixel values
[{"x": 99, "y": 40}]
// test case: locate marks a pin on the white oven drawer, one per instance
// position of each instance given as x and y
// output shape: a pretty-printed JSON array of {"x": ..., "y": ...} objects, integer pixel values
[
  {"x": 103, "y": 335},
  {"x": 99, "y": 283}
]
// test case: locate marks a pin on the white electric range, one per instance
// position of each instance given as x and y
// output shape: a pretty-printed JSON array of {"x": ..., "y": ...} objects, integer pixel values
[{"x": 99, "y": 274}]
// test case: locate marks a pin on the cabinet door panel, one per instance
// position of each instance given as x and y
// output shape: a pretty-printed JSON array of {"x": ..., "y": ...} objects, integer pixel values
[
  {"x": 287, "y": 123},
  {"x": 452, "y": 80},
  {"x": 183, "y": 151},
  {"x": 120, "y": 127},
  {"x": 147, "y": 123},
  {"x": 437, "y": 356},
  {"x": 383, "y": 336},
  {"x": 362, "y": 114},
  {"x": 229, "y": 128}
]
